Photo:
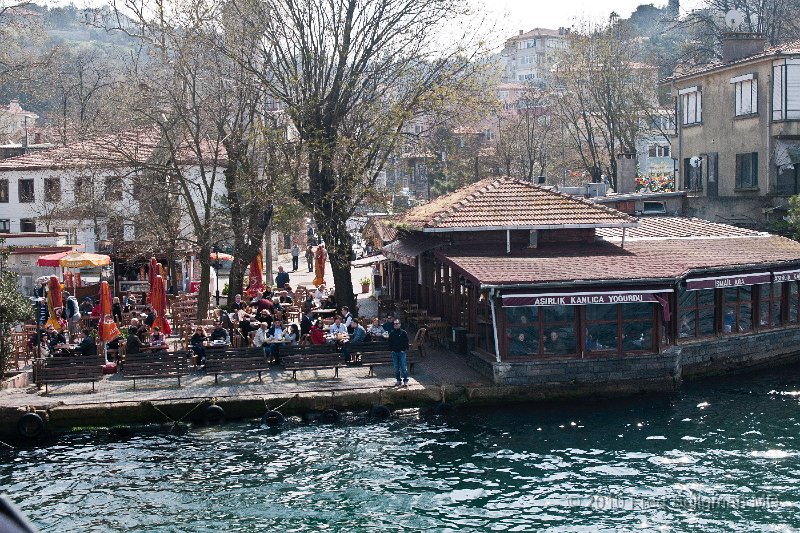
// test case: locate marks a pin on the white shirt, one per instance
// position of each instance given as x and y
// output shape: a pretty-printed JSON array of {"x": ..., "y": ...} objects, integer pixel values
[
  {"x": 278, "y": 333},
  {"x": 347, "y": 320},
  {"x": 260, "y": 338},
  {"x": 334, "y": 329}
]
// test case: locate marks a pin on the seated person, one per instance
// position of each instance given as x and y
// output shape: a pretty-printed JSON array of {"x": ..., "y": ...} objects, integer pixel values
[
  {"x": 522, "y": 344},
  {"x": 151, "y": 316},
  {"x": 220, "y": 334},
  {"x": 305, "y": 322},
  {"x": 556, "y": 344},
  {"x": 337, "y": 330},
  {"x": 292, "y": 335},
  {"x": 332, "y": 299},
  {"x": 236, "y": 304},
  {"x": 196, "y": 342},
  {"x": 134, "y": 344},
  {"x": 88, "y": 345},
  {"x": 54, "y": 338},
  {"x": 265, "y": 316},
  {"x": 276, "y": 333},
  {"x": 358, "y": 336},
  {"x": 376, "y": 331},
  {"x": 388, "y": 326},
  {"x": 157, "y": 338},
  {"x": 261, "y": 338},
  {"x": 316, "y": 333},
  {"x": 321, "y": 296}
]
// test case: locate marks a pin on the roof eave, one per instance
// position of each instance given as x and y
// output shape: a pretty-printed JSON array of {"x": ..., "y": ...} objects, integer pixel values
[{"x": 532, "y": 227}]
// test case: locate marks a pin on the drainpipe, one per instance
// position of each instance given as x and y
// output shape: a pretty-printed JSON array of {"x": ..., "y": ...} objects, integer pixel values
[
  {"x": 508, "y": 241},
  {"x": 623, "y": 237},
  {"x": 494, "y": 326}
]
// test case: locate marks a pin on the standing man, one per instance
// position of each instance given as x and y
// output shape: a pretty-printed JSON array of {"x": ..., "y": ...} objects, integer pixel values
[
  {"x": 295, "y": 257},
  {"x": 398, "y": 344},
  {"x": 282, "y": 278},
  {"x": 310, "y": 258}
]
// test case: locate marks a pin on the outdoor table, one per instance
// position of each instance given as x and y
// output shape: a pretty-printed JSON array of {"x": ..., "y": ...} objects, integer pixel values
[{"x": 320, "y": 311}]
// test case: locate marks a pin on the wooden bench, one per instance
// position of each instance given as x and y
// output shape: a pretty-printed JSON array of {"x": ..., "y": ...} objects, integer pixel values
[
  {"x": 82, "y": 369},
  {"x": 318, "y": 357},
  {"x": 236, "y": 361},
  {"x": 155, "y": 365}
]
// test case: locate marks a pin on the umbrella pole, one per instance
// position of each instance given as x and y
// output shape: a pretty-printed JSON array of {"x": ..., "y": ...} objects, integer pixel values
[{"x": 105, "y": 350}]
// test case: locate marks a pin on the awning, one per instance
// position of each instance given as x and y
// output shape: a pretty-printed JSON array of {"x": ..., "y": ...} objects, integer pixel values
[
  {"x": 724, "y": 282},
  {"x": 406, "y": 250},
  {"x": 786, "y": 275},
  {"x": 74, "y": 260},
  {"x": 366, "y": 261},
  {"x": 787, "y": 154},
  {"x": 584, "y": 298},
  {"x": 51, "y": 260}
]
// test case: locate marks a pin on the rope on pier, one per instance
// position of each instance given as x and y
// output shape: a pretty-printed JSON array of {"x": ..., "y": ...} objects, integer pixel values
[{"x": 178, "y": 421}]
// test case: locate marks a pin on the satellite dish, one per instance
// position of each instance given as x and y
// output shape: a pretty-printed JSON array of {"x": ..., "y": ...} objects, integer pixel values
[
  {"x": 695, "y": 161},
  {"x": 734, "y": 19}
]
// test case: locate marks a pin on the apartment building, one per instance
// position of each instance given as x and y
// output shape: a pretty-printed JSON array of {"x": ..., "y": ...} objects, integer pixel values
[{"x": 529, "y": 56}]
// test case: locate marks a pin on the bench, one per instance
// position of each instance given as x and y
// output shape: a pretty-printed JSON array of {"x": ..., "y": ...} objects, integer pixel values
[
  {"x": 318, "y": 357},
  {"x": 374, "y": 359},
  {"x": 155, "y": 365},
  {"x": 82, "y": 369},
  {"x": 236, "y": 361}
]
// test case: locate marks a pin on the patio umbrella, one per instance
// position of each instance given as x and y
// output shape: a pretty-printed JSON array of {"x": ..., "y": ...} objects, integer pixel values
[
  {"x": 221, "y": 256},
  {"x": 151, "y": 275},
  {"x": 83, "y": 259},
  {"x": 108, "y": 330},
  {"x": 51, "y": 260},
  {"x": 256, "y": 286},
  {"x": 158, "y": 298},
  {"x": 54, "y": 301}
]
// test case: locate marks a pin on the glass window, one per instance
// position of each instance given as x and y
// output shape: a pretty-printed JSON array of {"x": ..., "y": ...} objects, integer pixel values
[
  {"x": 52, "y": 190},
  {"x": 602, "y": 328},
  {"x": 4, "y": 191},
  {"x": 522, "y": 331},
  {"x": 747, "y": 170},
  {"x": 745, "y": 97},
  {"x": 696, "y": 310},
  {"x": 786, "y": 89},
  {"x": 5, "y": 226},
  {"x": 637, "y": 327},
  {"x": 737, "y": 310},
  {"x": 558, "y": 330},
  {"x": 692, "y": 107},
  {"x": 794, "y": 295},
  {"x": 769, "y": 314},
  {"x": 25, "y": 191},
  {"x": 27, "y": 225},
  {"x": 113, "y": 188}
]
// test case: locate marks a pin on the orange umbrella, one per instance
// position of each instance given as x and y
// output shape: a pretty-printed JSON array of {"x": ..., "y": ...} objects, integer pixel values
[
  {"x": 151, "y": 274},
  {"x": 158, "y": 299},
  {"x": 54, "y": 301},
  {"x": 256, "y": 286},
  {"x": 108, "y": 330},
  {"x": 319, "y": 265}
]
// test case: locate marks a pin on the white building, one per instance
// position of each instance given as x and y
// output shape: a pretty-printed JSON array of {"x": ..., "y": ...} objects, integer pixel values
[
  {"x": 15, "y": 121},
  {"x": 529, "y": 56}
]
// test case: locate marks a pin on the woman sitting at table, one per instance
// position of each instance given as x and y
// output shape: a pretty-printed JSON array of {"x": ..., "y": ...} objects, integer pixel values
[
  {"x": 321, "y": 296},
  {"x": 133, "y": 344},
  {"x": 55, "y": 339},
  {"x": 157, "y": 338},
  {"x": 196, "y": 342},
  {"x": 292, "y": 335},
  {"x": 116, "y": 310},
  {"x": 316, "y": 334}
]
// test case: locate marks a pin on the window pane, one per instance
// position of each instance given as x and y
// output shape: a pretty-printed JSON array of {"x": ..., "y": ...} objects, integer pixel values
[
  {"x": 687, "y": 298},
  {"x": 793, "y": 302},
  {"x": 637, "y": 336},
  {"x": 706, "y": 321},
  {"x": 601, "y": 337},
  {"x": 601, "y": 313},
  {"x": 4, "y": 191},
  {"x": 523, "y": 341},
  {"x": 559, "y": 341},
  {"x": 687, "y": 324},
  {"x": 522, "y": 315},
  {"x": 706, "y": 297},
  {"x": 558, "y": 313},
  {"x": 637, "y": 311}
]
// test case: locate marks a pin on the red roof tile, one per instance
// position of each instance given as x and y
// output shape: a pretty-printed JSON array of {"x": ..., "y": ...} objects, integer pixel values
[
  {"x": 124, "y": 149},
  {"x": 675, "y": 228},
  {"x": 406, "y": 250},
  {"x": 502, "y": 202},
  {"x": 638, "y": 261}
]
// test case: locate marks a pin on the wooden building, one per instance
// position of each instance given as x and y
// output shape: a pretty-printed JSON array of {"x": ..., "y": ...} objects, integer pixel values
[{"x": 533, "y": 276}]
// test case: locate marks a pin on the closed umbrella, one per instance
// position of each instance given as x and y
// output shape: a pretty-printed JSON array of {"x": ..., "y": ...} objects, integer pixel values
[
  {"x": 108, "y": 330},
  {"x": 158, "y": 299},
  {"x": 256, "y": 286},
  {"x": 151, "y": 275},
  {"x": 54, "y": 301}
]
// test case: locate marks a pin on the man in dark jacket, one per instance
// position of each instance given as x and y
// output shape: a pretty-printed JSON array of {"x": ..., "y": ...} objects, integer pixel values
[
  {"x": 88, "y": 345},
  {"x": 282, "y": 278},
  {"x": 398, "y": 344},
  {"x": 133, "y": 344}
]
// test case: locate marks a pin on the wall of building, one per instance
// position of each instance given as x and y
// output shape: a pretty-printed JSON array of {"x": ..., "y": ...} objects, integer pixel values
[{"x": 643, "y": 372}]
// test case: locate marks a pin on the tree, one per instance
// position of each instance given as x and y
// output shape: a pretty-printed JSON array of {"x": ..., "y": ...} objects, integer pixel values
[
  {"x": 603, "y": 97},
  {"x": 14, "y": 308},
  {"x": 349, "y": 74}
]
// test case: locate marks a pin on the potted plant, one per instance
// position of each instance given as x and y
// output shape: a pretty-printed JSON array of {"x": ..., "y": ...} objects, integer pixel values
[{"x": 365, "y": 285}]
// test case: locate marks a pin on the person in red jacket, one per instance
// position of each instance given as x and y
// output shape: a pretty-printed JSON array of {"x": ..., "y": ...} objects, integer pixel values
[{"x": 316, "y": 333}]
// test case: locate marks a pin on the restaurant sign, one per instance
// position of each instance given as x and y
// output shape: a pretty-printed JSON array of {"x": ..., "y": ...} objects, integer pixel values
[
  {"x": 787, "y": 275},
  {"x": 581, "y": 298},
  {"x": 724, "y": 282}
]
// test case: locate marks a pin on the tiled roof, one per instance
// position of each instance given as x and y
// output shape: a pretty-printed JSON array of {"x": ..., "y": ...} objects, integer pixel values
[
  {"x": 122, "y": 149},
  {"x": 638, "y": 261},
  {"x": 790, "y": 48},
  {"x": 406, "y": 250},
  {"x": 386, "y": 233},
  {"x": 676, "y": 228},
  {"x": 502, "y": 202},
  {"x": 537, "y": 32}
]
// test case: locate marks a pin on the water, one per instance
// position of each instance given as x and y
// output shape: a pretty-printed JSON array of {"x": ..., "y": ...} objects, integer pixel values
[{"x": 717, "y": 456}]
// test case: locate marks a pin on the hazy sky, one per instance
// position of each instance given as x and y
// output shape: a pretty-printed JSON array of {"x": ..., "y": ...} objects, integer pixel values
[{"x": 514, "y": 15}]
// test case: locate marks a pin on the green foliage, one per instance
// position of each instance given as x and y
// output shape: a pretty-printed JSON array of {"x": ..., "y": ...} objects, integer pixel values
[
  {"x": 226, "y": 289},
  {"x": 14, "y": 307},
  {"x": 792, "y": 220},
  {"x": 365, "y": 281}
]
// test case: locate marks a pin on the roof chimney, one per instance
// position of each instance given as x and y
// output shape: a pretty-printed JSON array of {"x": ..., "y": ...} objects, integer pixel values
[
  {"x": 520, "y": 32},
  {"x": 737, "y": 45}
]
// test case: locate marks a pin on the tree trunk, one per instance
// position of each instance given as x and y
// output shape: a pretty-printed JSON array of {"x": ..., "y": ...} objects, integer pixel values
[
  {"x": 204, "y": 297},
  {"x": 339, "y": 246},
  {"x": 236, "y": 276}
]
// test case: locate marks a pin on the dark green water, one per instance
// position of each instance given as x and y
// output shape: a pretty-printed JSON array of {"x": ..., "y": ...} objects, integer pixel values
[{"x": 717, "y": 456}]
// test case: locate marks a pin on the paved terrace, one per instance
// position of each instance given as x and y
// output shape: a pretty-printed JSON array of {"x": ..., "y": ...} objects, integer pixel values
[{"x": 439, "y": 368}]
